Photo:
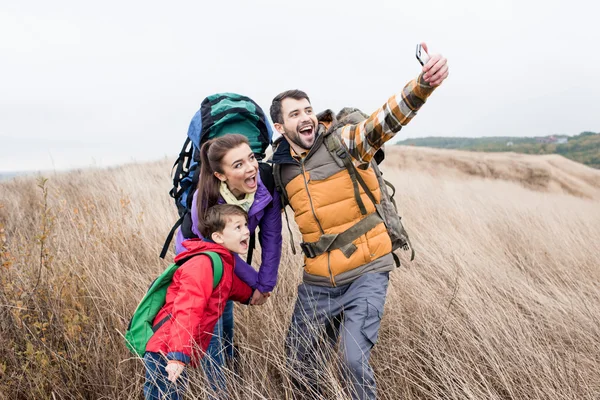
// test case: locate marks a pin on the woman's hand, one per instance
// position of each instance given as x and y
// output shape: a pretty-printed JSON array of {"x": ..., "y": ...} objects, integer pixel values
[
  {"x": 174, "y": 369},
  {"x": 258, "y": 298}
]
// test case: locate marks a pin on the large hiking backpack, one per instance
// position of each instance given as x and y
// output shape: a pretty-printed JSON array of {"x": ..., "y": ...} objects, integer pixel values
[
  {"x": 219, "y": 114},
  {"x": 386, "y": 209},
  {"x": 140, "y": 328}
]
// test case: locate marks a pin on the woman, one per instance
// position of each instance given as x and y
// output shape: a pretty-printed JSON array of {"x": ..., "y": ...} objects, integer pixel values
[{"x": 229, "y": 174}]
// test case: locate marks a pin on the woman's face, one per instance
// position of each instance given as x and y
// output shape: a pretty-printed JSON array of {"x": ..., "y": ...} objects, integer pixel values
[{"x": 240, "y": 170}]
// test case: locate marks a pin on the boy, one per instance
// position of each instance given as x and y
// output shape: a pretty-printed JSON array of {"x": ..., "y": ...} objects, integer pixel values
[{"x": 184, "y": 325}]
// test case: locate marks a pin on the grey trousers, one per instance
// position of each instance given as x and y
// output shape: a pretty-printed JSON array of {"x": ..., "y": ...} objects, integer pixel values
[{"x": 323, "y": 315}]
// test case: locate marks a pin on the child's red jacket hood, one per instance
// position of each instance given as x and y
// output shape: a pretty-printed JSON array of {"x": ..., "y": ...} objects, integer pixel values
[{"x": 192, "y": 307}]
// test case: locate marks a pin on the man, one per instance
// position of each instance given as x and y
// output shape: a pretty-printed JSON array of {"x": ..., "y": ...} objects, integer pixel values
[{"x": 344, "y": 288}]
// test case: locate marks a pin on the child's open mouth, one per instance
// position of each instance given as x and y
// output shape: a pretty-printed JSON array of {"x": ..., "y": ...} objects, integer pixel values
[{"x": 244, "y": 244}]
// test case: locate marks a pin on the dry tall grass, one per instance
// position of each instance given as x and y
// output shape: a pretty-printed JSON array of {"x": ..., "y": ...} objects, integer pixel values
[{"x": 502, "y": 301}]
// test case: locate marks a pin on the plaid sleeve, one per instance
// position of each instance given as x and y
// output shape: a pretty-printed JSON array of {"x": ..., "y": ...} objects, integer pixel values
[{"x": 365, "y": 138}]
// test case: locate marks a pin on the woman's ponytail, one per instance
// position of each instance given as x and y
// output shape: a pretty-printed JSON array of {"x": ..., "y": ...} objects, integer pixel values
[{"x": 208, "y": 185}]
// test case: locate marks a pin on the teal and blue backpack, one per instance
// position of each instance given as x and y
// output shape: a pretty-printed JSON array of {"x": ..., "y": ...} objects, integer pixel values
[
  {"x": 219, "y": 114},
  {"x": 140, "y": 328}
]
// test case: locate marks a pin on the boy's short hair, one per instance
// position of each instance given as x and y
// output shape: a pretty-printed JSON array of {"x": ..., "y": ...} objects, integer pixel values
[{"x": 217, "y": 216}]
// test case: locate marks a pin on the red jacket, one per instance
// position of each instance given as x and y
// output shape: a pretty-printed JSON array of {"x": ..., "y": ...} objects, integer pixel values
[{"x": 193, "y": 304}]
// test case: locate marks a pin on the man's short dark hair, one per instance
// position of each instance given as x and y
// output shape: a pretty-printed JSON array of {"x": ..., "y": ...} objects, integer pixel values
[
  {"x": 295, "y": 94},
  {"x": 217, "y": 216}
]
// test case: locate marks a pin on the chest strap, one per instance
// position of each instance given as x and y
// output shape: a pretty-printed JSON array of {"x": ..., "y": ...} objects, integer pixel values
[
  {"x": 343, "y": 241},
  {"x": 338, "y": 150}
]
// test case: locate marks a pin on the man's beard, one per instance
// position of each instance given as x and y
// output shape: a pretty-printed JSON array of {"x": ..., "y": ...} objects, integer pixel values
[{"x": 296, "y": 138}]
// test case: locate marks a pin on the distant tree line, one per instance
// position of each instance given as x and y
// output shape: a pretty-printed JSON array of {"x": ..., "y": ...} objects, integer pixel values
[{"x": 583, "y": 148}]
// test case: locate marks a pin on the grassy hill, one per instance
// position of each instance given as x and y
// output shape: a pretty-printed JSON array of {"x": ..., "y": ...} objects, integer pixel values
[
  {"x": 501, "y": 301},
  {"x": 583, "y": 148}
]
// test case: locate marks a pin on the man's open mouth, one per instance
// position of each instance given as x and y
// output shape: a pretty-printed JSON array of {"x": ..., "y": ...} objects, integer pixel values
[{"x": 306, "y": 130}]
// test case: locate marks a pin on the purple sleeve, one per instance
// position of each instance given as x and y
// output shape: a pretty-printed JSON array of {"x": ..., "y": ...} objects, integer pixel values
[
  {"x": 270, "y": 240},
  {"x": 245, "y": 272}
]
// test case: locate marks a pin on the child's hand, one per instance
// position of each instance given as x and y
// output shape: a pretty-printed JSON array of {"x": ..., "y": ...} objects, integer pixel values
[
  {"x": 258, "y": 298},
  {"x": 174, "y": 369}
]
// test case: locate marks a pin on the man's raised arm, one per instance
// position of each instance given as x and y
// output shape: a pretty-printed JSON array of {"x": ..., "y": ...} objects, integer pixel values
[{"x": 365, "y": 138}]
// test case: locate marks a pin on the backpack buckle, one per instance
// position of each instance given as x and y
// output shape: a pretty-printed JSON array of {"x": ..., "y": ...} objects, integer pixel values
[
  {"x": 308, "y": 250},
  {"x": 341, "y": 153}
]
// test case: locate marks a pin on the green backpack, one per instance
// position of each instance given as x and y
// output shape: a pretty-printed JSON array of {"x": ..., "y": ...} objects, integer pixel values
[{"x": 140, "y": 328}]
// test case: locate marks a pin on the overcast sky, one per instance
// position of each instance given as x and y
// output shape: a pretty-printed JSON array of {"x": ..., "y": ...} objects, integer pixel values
[{"x": 102, "y": 83}]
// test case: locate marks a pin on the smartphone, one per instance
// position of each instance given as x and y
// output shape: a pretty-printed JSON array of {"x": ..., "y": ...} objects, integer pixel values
[{"x": 422, "y": 55}]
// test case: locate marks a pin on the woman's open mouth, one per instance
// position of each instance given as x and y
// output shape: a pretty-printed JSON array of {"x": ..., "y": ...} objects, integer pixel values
[{"x": 251, "y": 182}]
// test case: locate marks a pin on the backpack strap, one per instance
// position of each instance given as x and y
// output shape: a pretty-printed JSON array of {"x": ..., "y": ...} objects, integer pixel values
[
  {"x": 285, "y": 200},
  {"x": 338, "y": 150},
  {"x": 217, "y": 266},
  {"x": 251, "y": 246},
  {"x": 342, "y": 241},
  {"x": 215, "y": 261},
  {"x": 181, "y": 164},
  {"x": 279, "y": 185},
  {"x": 165, "y": 248},
  {"x": 335, "y": 146}
]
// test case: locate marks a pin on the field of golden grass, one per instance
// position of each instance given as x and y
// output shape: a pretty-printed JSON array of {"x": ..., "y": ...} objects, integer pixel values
[{"x": 501, "y": 302}]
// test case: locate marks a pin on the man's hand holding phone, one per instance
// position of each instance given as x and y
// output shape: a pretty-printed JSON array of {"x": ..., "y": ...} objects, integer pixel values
[{"x": 435, "y": 67}]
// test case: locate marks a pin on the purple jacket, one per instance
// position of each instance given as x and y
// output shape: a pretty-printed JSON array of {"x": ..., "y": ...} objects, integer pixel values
[{"x": 264, "y": 213}]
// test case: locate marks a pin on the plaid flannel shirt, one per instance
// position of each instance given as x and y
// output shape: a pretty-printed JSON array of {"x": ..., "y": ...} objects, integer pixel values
[{"x": 365, "y": 138}]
